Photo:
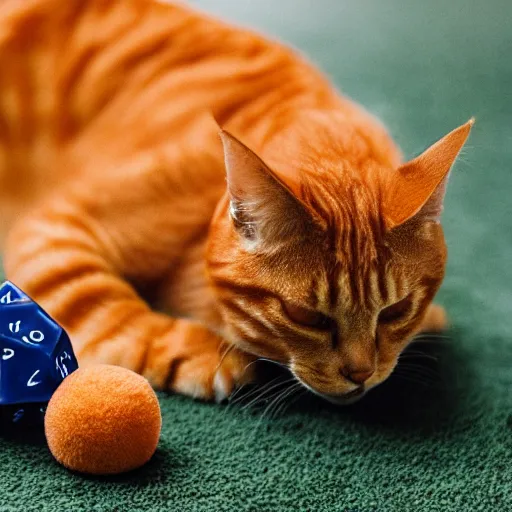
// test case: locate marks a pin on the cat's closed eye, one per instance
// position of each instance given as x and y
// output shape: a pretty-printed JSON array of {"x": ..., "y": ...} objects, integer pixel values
[
  {"x": 396, "y": 311},
  {"x": 307, "y": 317}
]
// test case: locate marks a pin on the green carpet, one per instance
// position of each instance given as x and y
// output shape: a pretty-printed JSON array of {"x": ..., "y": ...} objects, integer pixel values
[{"x": 442, "y": 444}]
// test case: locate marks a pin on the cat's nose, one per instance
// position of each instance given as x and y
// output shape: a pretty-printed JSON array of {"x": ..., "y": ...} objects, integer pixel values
[{"x": 358, "y": 376}]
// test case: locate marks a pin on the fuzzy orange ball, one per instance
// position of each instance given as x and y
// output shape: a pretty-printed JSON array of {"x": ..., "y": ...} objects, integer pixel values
[{"x": 103, "y": 420}]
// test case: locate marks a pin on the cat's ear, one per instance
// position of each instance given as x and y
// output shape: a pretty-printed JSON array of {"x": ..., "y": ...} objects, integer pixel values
[
  {"x": 418, "y": 187},
  {"x": 264, "y": 210}
]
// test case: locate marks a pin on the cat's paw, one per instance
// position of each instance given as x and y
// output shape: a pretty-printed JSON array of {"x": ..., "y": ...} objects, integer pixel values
[
  {"x": 212, "y": 374},
  {"x": 435, "y": 320}
]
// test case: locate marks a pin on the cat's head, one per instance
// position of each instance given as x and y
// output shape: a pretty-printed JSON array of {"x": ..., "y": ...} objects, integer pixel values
[{"x": 331, "y": 274}]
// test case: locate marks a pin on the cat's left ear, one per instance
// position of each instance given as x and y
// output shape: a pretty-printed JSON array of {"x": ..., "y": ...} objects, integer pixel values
[
  {"x": 418, "y": 187},
  {"x": 264, "y": 210}
]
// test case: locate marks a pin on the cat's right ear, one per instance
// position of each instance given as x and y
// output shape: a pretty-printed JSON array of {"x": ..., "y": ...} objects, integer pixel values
[
  {"x": 264, "y": 210},
  {"x": 418, "y": 187}
]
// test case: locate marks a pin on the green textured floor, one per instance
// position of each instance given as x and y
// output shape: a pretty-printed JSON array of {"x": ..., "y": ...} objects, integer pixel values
[{"x": 424, "y": 67}]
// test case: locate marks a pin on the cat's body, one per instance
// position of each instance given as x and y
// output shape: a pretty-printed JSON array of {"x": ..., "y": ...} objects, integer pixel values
[{"x": 112, "y": 169}]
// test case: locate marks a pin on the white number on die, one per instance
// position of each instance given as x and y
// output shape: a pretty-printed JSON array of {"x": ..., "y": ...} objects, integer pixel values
[
  {"x": 32, "y": 382},
  {"x": 8, "y": 353},
  {"x": 35, "y": 337},
  {"x": 59, "y": 360},
  {"x": 15, "y": 326},
  {"x": 6, "y": 299}
]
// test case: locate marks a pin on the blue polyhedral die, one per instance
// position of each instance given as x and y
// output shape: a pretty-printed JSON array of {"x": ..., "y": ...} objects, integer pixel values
[{"x": 35, "y": 357}]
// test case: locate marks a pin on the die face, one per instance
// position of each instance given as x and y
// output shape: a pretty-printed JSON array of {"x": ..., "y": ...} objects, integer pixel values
[
  {"x": 26, "y": 321},
  {"x": 16, "y": 416},
  {"x": 63, "y": 357},
  {"x": 35, "y": 352},
  {"x": 26, "y": 374}
]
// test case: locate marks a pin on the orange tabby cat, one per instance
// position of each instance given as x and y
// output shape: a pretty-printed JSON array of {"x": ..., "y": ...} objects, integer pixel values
[{"x": 320, "y": 250}]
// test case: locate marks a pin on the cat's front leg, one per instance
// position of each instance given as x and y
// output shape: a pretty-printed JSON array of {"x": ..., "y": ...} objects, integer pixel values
[
  {"x": 175, "y": 355},
  {"x": 62, "y": 259},
  {"x": 201, "y": 365}
]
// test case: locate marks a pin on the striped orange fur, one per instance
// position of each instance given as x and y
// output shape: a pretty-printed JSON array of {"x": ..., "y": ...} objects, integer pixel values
[{"x": 321, "y": 249}]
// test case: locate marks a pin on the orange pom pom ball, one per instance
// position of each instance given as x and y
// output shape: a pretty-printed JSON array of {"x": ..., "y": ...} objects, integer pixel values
[{"x": 103, "y": 420}]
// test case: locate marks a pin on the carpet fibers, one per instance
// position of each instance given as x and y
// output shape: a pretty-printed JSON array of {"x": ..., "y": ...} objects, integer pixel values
[{"x": 436, "y": 438}]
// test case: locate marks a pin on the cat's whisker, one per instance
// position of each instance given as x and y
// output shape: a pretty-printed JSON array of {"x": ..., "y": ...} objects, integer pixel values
[
  {"x": 264, "y": 394},
  {"x": 430, "y": 337},
  {"x": 232, "y": 399},
  {"x": 419, "y": 367},
  {"x": 224, "y": 355},
  {"x": 418, "y": 377},
  {"x": 421, "y": 376},
  {"x": 284, "y": 401},
  {"x": 414, "y": 379},
  {"x": 281, "y": 396},
  {"x": 415, "y": 350},
  {"x": 272, "y": 411},
  {"x": 417, "y": 355},
  {"x": 282, "y": 365},
  {"x": 290, "y": 399},
  {"x": 250, "y": 364},
  {"x": 418, "y": 371},
  {"x": 273, "y": 400},
  {"x": 239, "y": 389},
  {"x": 235, "y": 393},
  {"x": 257, "y": 389},
  {"x": 301, "y": 391}
]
